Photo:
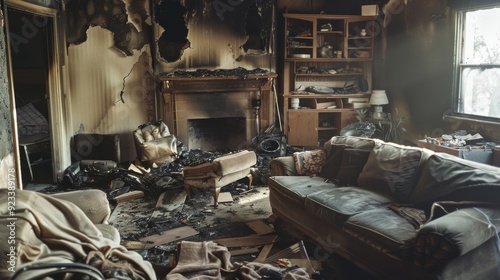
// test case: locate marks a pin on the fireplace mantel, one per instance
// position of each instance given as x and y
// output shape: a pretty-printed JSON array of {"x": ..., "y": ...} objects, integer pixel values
[{"x": 257, "y": 86}]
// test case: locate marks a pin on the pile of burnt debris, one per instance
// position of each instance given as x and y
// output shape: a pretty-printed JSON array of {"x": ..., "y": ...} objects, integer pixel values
[
  {"x": 235, "y": 72},
  {"x": 154, "y": 181}
]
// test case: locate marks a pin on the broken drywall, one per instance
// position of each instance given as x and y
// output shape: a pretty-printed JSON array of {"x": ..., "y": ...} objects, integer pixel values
[
  {"x": 214, "y": 34},
  {"x": 127, "y": 22}
]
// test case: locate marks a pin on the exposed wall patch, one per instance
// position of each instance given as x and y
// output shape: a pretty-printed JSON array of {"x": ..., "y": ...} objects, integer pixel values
[
  {"x": 171, "y": 16},
  {"x": 111, "y": 15}
]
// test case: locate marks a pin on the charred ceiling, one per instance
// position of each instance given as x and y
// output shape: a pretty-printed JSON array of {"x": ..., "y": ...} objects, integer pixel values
[
  {"x": 252, "y": 20},
  {"x": 112, "y": 15}
]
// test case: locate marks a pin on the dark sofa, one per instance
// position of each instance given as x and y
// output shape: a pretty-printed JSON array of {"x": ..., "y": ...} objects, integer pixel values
[{"x": 398, "y": 212}]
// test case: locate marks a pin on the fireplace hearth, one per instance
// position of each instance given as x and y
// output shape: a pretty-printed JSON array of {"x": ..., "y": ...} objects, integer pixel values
[{"x": 216, "y": 113}]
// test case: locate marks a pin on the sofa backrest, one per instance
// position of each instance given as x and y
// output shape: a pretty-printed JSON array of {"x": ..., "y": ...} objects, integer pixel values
[
  {"x": 393, "y": 170},
  {"x": 447, "y": 177},
  {"x": 349, "y": 163}
]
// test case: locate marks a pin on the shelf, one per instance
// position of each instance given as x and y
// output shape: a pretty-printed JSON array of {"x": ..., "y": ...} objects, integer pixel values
[
  {"x": 328, "y": 75},
  {"x": 327, "y": 128},
  {"x": 305, "y": 126},
  {"x": 331, "y": 96}
]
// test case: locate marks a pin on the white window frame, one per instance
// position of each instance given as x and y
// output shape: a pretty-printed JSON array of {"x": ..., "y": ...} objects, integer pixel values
[{"x": 459, "y": 66}]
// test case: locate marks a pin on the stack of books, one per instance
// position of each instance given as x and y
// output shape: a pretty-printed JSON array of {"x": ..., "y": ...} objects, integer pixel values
[{"x": 358, "y": 102}]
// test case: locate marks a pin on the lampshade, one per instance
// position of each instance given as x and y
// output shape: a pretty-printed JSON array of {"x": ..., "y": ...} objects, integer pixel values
[{"x": 378, "y": 97}]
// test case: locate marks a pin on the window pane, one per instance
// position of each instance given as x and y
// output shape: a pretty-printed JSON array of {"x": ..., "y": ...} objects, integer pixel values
[
  {"x": 482, "y": 37},
  {"x": 480, "y": 92}
]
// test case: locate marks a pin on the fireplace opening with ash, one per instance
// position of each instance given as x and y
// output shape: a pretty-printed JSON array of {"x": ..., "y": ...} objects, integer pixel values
[{"x": 217, "y": 134}]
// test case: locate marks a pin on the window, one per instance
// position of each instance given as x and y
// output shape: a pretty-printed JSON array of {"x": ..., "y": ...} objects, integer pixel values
[{"x": 477, "y": 88}]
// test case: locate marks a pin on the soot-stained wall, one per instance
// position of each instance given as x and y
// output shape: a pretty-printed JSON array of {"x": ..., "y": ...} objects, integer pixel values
[
  {"x": 6, "y": 147},
  {"x": 214, "y": 34},
  {"x": 126, "y": 20}
]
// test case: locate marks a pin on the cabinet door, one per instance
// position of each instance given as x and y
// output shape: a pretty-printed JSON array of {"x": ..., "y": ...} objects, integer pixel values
[{"x": 302, "y": 128}]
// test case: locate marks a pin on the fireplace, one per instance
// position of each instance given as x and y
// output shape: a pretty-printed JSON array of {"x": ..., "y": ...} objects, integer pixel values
[
  {"x": 217, "y": 134},
  {"x": 217, "y": 113}
]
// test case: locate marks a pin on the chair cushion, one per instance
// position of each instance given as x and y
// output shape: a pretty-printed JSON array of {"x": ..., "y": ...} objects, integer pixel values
[
  {"x": 222, "y": 166},
  {"x": 234, "y": 162},
  {"x": 336, "y": 205}
]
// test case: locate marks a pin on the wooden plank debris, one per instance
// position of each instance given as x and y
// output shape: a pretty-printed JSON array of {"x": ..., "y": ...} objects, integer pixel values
[
  {"x": 129, "y": 196},
  {"x": 168, "y": 236},
  {"x": 285, "y": 253},
  {"x": 260, "y": 227},
  {"x": 133, "y": 245},
  {"x": 225, "y": 197},
  {"x": 247, "y": 241},
  {"x": 244, "y": 251},
  {"x": 168, "y": 202},
  {"x": 264, "y": 252}
]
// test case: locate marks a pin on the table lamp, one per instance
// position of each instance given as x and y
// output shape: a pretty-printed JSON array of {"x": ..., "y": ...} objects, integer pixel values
[{"x": 377, "y": 99}]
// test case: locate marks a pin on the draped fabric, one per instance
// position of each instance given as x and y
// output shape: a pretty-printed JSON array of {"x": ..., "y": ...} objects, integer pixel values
[{"x": 48, "y": 230}]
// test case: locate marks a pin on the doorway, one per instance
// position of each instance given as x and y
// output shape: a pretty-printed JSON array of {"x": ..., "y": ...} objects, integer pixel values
[
  {"x": 31, "y": 53},
  {"x": 36, "y": 78}
]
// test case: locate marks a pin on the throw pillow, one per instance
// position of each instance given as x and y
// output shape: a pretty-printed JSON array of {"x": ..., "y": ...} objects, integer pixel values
[
  {"x": 333, "y": 161},
  {"x": 309, "y": 162},
  {"x": 353, "y": 161}
]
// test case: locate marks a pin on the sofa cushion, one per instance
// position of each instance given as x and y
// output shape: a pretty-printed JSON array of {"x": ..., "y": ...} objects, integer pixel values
[
  {"x": 298, "y": 187},
  {"x": 384, "y": 230},
  {"x": 333, "y": 161},
  {"x": 309, "y": 162},
  {"x": 447, "y": 177},
  {"x": 393, "y": 170},
  {"x": 336, "y": 205},
  {"x": 353, "y": 161}
]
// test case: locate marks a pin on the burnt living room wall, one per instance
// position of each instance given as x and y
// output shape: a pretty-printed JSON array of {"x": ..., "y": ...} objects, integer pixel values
[
  {"x": 6, "y": 145},
  {"x": 214, "y": 34}
]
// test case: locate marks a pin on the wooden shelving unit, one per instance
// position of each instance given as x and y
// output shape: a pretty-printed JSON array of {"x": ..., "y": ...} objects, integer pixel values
[{"x": 326, "y": 51}]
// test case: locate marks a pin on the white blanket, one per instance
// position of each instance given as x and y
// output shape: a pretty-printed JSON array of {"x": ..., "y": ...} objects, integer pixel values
[{"x": 36, "y": 228}]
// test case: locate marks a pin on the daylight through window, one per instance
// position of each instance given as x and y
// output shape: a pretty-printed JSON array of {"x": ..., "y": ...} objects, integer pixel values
[{"x": 478, "y": 65}]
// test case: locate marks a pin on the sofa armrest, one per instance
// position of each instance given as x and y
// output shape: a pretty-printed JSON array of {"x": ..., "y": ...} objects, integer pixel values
[
  {"x": 94, "y": 203},
  {"x": 453, "y": 235},
  {"x": 282, "y": 166}
]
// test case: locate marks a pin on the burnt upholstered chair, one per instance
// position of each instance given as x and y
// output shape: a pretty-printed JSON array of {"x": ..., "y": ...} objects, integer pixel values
[
  {"x": 89, "y": 148},
  {"x": 154, "y": 143},
  {"x": 220, "y": 172}
]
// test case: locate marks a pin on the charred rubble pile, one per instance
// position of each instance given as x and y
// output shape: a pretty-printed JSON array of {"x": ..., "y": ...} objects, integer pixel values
[{"x": 154, "y": 181}]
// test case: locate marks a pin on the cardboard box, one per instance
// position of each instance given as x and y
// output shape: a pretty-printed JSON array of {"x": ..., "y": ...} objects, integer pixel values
[{"x": 369, "y": 10}]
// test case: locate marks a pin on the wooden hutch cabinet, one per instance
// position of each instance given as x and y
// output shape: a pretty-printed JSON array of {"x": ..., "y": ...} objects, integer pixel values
[{"x": 327, "y": 74}]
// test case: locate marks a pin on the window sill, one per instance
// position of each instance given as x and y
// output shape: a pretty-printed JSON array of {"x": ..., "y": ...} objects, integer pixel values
[{"x": 453, "y": 118}]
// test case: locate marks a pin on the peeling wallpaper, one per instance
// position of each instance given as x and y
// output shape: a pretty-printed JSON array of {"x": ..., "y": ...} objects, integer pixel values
[
  {"x": 213, "y": 34},
  {"x": 98, "y": 75},
  {"x": 126, "y": 20}
]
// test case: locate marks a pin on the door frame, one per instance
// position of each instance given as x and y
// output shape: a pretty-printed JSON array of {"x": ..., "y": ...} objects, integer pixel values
[{"x": 58, "y": 101}]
